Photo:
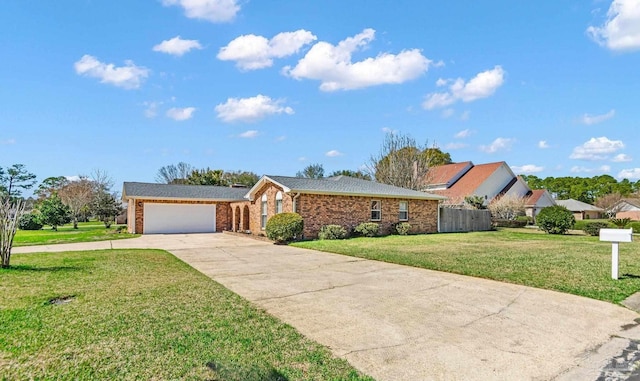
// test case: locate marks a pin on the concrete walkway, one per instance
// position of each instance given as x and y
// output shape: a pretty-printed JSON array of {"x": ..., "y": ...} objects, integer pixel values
[{"x": 401, "y": 323}]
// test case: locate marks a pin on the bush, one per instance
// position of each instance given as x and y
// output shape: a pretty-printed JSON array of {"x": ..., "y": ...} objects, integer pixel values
[
  {"x": 526, "y": 219},
  {"x": 367, "y": 229},
  {"x": 635, "y": 226},
  {"x": 29, "y": 221},
  {"x": 593, "y": 228},
  {"x": 402, "y": 228},
  {"x": 332, "y": 232},
  {"x": 620, "y": 222},
  {"x": 581, "y": 224},
  {"x": 284, "y": 227},
  {"x": 555, "y": 219},
  {"x": 509, "y": 223}
]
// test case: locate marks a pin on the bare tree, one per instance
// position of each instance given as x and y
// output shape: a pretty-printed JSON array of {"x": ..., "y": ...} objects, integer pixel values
[
  {"x": 403, "y": 162},
  {"x": 77, "y": 195},
  {"x": 610, "y": 203},
  {"x": 174, "y": 174},
  {"x": 507, "y": 207},
  {"x": 10, "y": 213}
]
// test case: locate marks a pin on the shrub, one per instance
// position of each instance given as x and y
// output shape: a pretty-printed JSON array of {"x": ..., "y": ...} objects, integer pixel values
[
  {"x": 29, "y": 221},
  {"x": 284, "y": 227},
  {"x": 499, "y": 223},
  {"x": 332, "y": 232},
  {"x": 555, "y": 219},
  {"x": 402, "y": 228},
  {"x": 367, "y": 229},
  {"x": 635, "y": 226},
  {"x": 581, "y": 224},
  {"x": 620, "y": 222},
  {"x": 593, "y": 228},
  {"x": 526, "y": 219}
]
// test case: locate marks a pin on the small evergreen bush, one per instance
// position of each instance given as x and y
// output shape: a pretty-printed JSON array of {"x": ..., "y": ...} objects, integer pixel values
[
  {"x": 402, "y": 228},
  {"x": 635, "y": 226},
  {"x": 332, "y": 232},
  {"x": 367, "y": 229},
  {"x": 509, "y": 223},
  {"x": 284, "y": 227},
  {"x": 593, "y": 228},
  {"x": 555, "y": 219},
  {"x": 581, "y": 224},
  {"x": 29, "y": 221},
  {"x": 620, "y": 222}
]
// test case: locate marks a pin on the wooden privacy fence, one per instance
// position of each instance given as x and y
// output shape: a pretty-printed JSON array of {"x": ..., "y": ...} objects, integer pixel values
[{"x": 464, "y": 220}]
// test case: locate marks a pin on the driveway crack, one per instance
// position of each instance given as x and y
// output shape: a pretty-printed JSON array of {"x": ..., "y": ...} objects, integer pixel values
[
  {"x": 496, "y": 313},
  {"x": 304, "y": 292}
]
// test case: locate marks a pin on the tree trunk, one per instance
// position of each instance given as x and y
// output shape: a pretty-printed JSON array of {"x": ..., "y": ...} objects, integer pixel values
[{"x": 75, "y": 222}]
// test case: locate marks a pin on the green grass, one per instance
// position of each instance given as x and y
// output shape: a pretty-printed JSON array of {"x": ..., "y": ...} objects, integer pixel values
[
  {"x": 575, "y": 264},
  {"x": 143, "y": 315},
  {"x": 86, "y": 232}
]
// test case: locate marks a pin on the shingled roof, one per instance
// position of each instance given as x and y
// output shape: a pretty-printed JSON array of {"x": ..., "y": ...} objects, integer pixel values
[
  {"x": 578, "y": 206},
  {"x": 467, "y": 184},
  {"x": 341, "y": 185},
  {"x": 181, "y": 192}
]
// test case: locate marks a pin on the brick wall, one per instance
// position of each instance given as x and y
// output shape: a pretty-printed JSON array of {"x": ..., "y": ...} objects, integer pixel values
[{"x": 223, "y": 213}]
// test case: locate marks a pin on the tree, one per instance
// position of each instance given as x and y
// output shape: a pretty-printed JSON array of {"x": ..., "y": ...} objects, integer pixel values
[
  {"x": 475, "y": 202},
  {"x": 405, "y": 163},
  {"x": 347, "y": 172},
  {"x": 608, "y": 203},
  {"x": 50, "y": 185},
  {"x": 174, "y": 174},
  {"x": 77, "y": 195},
  {"x": 312, "y": 171},
  {"x": 555, "y": 219},
  {"x": 53, "y": 212},
  {"x": 10, "y": 213},
  {"x": 106, "y": 208},
  {"x": 245, "y": 178},
  {"x": 15, "y": 179},
  {"x": 507, "y": 207},
  {"x": 206, "y": 177}
]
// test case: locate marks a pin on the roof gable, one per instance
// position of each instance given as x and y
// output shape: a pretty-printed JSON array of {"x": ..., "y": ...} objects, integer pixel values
[
  {"x": 180, "y": 192},
  {"x": 578, "y": 206},
  {"x": 471, "y": 181},
  {"x": 340, "y": 185},
  {"x": 443, "y": 176}
]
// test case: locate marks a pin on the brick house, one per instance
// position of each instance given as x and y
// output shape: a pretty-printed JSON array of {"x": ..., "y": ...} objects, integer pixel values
[
  {"x": 581, "y": 210},
  {"x": 337, "y": 200},
  {"x": 627, "y": 208}
]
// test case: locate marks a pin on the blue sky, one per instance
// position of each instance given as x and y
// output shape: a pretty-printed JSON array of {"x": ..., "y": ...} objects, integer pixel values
[{"x": 550, "y": 87}]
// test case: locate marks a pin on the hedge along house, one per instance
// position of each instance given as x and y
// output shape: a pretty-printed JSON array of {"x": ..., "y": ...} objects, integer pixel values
[
  {"x": 339, "y": 200},
  {"x": 168, "y": 208}
]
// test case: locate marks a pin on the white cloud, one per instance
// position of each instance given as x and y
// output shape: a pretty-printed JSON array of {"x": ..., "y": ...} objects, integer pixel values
[
  {"x": 8, "y": 141},
  {"x": 249, "y": 134},
  {"x": 621, "y": 30},
  {"x": 500, "y": 144},
  {"x": 211, "y": 10},
  {"x": 451, "y": 146},
  {"x": 333, "y": 153},
  {"x": 542, "y": 144},
  {"x": 332, "y": 65},
  {"x": 151, "y": 110},
  {"x": 527, "y": 168},
  {"x": 250, "y": 109},
  {"x": 129, "y": 76},
  {"x": 621, "y": 158},
  {"x": 448, "y": 113},
  {"x": 180, "y": 114},
  {"x": 73, "y": 178},
  {"x": 631, "y": 174},
  {"x": 251, "y": 52},
  {"x": 595, "y": 119},
  {"x": 463, "y": 134},
  {"x": 483, "y": 85},
  {"x": 601, "y": 169},
  {"x": 388, "y": 130},
  {"x": 596, "y": 149},
  {"x": 177, "y": 46}
]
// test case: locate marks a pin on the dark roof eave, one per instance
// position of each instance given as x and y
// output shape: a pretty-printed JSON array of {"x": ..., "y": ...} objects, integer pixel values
[{"x": 364, "y": 194}]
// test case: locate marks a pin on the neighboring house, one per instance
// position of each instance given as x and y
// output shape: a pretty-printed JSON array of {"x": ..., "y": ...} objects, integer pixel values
[
  {"x": 341, "y": 200},
  {"x": 170, "y": 208},
  {"x": 581, "y": 210},
  {"x": 538, "y": 199},
  {"x": 457, "y": 181},
  {"x": 628, "y": 208}
]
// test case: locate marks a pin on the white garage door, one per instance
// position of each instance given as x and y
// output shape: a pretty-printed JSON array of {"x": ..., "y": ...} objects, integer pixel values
[{"x": 179, "y": 218}]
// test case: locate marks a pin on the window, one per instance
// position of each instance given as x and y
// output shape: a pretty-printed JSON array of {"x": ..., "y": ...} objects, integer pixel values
[
  {"x": 263, "y": 215},
  {"x": 278, "y": 202},
  {"x": 403, "y": 211},
  {"x": 376, "y": 210}
]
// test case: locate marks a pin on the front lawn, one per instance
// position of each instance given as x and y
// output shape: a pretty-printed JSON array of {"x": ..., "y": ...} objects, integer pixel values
[
  {"x": 86, "y": 232},
  {"x": 575, "y": 264},
  {"x": 142, "y": 315}
]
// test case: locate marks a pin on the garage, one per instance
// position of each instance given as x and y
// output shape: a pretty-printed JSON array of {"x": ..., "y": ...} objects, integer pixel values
[{"x": 166, "y": 218}]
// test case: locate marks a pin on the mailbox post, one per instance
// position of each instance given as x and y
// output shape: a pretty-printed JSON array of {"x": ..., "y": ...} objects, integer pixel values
[{"x": 615, "y": 236}]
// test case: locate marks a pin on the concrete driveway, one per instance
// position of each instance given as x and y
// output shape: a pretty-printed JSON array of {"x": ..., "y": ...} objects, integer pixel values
[{"x": 401, "y": 323}]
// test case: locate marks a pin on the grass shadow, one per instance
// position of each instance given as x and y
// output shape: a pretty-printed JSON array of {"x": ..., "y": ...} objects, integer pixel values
[
  {"x": 240, "y": 372},
  {"x": 630, "y": 276},
  {"x": 28, "y": 268}
]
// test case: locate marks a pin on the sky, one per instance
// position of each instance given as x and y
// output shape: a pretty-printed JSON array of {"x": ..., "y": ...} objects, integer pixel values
[{"x": 127, "y": 87}]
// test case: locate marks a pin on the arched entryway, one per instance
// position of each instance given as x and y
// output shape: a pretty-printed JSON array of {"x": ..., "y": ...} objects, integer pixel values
[
  {"x": 236, "y": 219},
  {"x": 245, "y": 218}
]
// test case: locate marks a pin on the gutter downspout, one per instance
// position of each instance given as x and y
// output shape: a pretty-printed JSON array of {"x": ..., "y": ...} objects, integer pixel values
[
  {"x": 295, "y": 203},
  {"x": 439, "y": 216}
]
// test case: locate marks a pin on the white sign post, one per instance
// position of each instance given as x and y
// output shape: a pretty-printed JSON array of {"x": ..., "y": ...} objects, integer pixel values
[{"x": 615, "y": 236}]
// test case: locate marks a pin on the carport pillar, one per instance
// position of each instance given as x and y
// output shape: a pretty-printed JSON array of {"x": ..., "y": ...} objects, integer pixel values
[{"x": 614, "y": 260}]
